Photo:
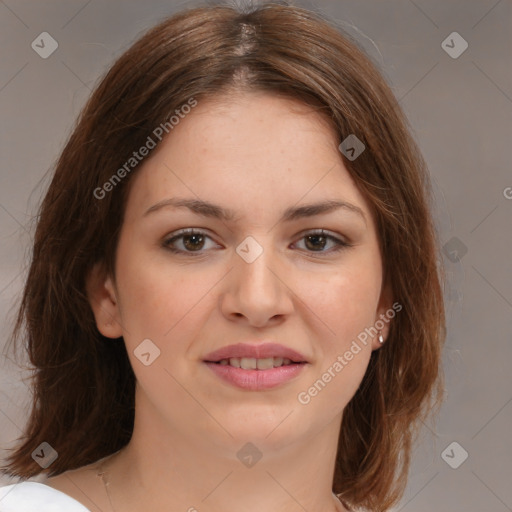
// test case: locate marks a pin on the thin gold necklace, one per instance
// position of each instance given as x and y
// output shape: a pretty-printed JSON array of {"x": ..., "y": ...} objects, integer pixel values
[{"x": 103, "y": 475}]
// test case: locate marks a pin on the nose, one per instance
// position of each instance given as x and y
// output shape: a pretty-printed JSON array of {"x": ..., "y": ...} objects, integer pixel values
[{"x": 257, "y": 293}]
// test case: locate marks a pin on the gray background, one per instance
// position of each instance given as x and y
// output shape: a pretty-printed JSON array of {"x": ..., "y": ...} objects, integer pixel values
[{"x": 461, "y": 113}]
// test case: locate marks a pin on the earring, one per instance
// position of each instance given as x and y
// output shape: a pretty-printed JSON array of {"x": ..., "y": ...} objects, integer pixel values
[{"x": 381, "y": 338}]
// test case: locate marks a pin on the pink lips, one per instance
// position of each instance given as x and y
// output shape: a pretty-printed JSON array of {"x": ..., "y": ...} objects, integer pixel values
[
  {"x": 255, "y": 380},
  {"x": 255, "y": 351}
]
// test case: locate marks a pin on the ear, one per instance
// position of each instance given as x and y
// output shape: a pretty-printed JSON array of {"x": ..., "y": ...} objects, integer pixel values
[
  {"x": 102, "y": 298},
  {"x": 384, "y": 315}
]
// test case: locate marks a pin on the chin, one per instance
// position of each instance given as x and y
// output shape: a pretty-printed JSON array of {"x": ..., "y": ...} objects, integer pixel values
[{"x": 270, "y": 426}]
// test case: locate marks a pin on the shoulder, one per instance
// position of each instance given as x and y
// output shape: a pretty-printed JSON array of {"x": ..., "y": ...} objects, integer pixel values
[{"x": 36, "y": 497}]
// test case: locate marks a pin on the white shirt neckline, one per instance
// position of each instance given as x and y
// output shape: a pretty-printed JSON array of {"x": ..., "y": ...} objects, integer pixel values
[{"x": 27, "y": 496}]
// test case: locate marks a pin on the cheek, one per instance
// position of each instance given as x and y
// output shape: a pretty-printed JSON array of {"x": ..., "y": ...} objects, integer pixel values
[
  {"x": 161, "y": 300},
  {"x": 345, "y": 302},
  {"x": 344, "y": 305}
]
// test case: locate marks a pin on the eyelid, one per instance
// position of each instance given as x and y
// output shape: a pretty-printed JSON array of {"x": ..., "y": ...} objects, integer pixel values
[
  {"x": 340, "y": 241},
  {"x": 175, "y": 235},
  {"x": 323, "y": 232}
]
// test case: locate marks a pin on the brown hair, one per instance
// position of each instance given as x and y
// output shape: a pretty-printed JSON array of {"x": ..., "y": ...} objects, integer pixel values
[{"x": 83, "y": 384}]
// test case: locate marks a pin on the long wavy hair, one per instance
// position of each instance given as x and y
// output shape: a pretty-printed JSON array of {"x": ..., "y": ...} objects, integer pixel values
[{"x": 83, "y": 384}]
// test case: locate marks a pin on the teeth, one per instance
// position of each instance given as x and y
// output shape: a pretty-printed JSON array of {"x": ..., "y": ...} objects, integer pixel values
[
  {"x": 250, "y": 363},
  {"x": 264, "y": 364}
]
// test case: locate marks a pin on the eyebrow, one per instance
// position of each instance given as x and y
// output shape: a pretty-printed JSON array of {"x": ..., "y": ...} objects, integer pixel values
[{"x": 207, "y": 209}]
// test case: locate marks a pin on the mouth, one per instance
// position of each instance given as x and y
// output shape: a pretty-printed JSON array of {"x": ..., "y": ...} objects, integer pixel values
[
  {"x": 256, "y": 367},
  {"x": 256, "y": 379},
  {"x": 251, "y": 363},
  {"x": 255, "y": 356}
]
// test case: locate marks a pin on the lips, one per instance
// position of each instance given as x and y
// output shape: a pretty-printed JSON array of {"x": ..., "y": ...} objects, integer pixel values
[
  {"x": 252, "y": 351},
  {"x": 254, "y": 367}
]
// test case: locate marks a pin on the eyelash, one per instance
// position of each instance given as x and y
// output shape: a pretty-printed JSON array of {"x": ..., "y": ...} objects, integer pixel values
[{"x": 340, "y": 244}]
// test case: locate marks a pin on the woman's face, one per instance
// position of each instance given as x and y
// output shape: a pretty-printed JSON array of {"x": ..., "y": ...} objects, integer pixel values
[{"x": 259, "y": 274}]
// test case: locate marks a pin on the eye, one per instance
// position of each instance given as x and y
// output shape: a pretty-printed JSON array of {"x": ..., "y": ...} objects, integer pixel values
[
  {"x": 318, "y": 240},
  {"x": 189, "y": 241},
  {"x": 192, "y": 242}
]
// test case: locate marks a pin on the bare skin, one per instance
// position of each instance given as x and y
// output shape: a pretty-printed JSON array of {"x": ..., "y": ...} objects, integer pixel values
[{"x": 257, "y": 155}]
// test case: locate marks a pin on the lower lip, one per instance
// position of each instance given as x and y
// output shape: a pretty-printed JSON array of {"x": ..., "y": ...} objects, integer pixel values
[{"x": 255, "y": 380}]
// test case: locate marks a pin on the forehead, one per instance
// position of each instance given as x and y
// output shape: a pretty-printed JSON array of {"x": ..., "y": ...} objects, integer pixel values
[
  {"x": 249, "y": 151},
  {"x": 257, "y": 125}
]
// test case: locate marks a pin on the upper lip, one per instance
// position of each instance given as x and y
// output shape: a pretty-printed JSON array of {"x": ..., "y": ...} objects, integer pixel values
[{"x": 260, "y": 351}]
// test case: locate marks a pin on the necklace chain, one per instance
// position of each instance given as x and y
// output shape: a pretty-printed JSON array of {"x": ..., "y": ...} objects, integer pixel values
[{"x": 103, "y": 475}]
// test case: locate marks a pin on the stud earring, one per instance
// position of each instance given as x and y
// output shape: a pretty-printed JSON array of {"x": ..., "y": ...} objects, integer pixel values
[{"x": 381, "y": 338}]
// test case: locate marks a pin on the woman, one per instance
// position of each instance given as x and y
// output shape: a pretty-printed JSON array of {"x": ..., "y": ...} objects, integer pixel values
[{"x": 234, "y": 300}]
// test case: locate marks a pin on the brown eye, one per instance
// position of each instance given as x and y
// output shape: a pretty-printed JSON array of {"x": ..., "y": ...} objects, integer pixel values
[
  {"x": 315, "y": 242},
  {"x": 193, "y": 242},
  {"x": 188, "y": 242},
  {"x": 318, "y": 241}
]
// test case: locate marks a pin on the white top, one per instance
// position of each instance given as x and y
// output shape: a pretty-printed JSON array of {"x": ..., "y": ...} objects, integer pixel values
[{"x": 36, "y": 497}]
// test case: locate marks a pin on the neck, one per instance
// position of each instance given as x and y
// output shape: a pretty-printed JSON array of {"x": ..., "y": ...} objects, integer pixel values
[{"x": 162, "y": 468}]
